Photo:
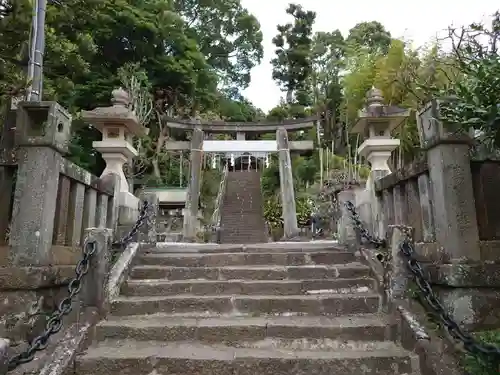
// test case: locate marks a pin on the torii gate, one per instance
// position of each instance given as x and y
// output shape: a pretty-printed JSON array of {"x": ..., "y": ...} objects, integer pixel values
[{"x": 240, "y": 145}]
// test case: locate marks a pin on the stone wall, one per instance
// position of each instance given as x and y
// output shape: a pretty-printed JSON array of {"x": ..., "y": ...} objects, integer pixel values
[{"x": 449, "y": 200}]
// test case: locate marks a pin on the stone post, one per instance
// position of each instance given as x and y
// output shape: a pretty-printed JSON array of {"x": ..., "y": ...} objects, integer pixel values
[
  {"x": 4, "y": 356},
  {"x": 451, "y": 185},
  {"x": 95, "y": 291},
  {"x": 346, "y": 230},
  {"x": 43, "y": 131},
  {"x": 148, "y": 231},
  {"x": 396, "y": 274},
  {"x": 193, "y": 192},
  {"x": 291, "y": 228}
]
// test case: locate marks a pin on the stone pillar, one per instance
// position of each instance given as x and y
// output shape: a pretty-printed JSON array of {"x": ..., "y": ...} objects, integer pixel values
[
  {"x": 148, "y": 231},
  {"x": 346, "y": 231},
  {"x": 193, "y": 192},
  {"x": 451, "y": 185},
  {"x": 286, "y": 185},
  {"x": 240, "y": 136},
  {"x": 95, "y": 292},
  {"x": 397, "y": 276},
  {"x": 43, "y": 131}
]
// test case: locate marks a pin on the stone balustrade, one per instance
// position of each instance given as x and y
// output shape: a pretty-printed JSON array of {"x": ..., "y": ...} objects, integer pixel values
[
  {"x": 49, "y": 208},
  {"x": 449, "y": 200}
]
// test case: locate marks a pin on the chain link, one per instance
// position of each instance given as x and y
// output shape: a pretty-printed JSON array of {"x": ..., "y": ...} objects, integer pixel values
[
  {"x": 144, "y": 217},
  {"x": 470, "y": 344},
  {"x": 358, "y": 224},
  {"x": 55, "y": 320}
]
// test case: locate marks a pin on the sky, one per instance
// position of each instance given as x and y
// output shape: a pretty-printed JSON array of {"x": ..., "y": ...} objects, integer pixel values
[{"x": 419, "y": 21}]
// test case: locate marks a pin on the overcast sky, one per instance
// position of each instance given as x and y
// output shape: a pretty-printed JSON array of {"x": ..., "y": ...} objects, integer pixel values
[{"x": 419, "y": 21}]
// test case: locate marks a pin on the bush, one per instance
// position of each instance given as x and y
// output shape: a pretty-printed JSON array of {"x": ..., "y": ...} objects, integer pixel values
[{"x": 273, "y": 212}]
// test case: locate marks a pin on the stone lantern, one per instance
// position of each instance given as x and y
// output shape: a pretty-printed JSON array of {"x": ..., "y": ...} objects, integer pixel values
[
  {"x": 376, "y": 122},
  {"x": 118, "y": 125}
]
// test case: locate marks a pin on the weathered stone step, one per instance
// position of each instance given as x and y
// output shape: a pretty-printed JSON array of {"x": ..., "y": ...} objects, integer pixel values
[
  {"x": 162, "y": 287},
  {"x": 129, "y": 357},
  {"x": 272, "y": 247},
  {"x": 348, "y": 270},
  {"x": 323, "y": 304},
  {"x": 238, "y": 259},
  {"x": 234, "y": 329}
]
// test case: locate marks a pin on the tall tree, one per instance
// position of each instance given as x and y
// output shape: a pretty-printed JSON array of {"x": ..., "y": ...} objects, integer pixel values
[
  {"x": 292, "y": 65},
  {"x": 228, "y": 36},
  {"x": 370, "y": 35},
  {"x": 328, "y": 53}
]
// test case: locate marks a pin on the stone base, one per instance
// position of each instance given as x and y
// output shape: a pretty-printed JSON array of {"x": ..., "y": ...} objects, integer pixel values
[
  {"x": 27, "y": 294},
  {"x": 470, "y": 292}
]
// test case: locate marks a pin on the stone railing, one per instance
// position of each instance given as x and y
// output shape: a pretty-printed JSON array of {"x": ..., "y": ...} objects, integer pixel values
[
  {"x": 58, "y": 223},
  {"x": 446, "y": 207},
  {"x": 216, "y": 215},
  {"x": 449, "y": 201}
]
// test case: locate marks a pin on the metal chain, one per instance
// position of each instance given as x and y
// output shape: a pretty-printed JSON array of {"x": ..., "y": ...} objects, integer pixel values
[
  {"x": 377, "y": 242},
  {"x": 470, "y": 343},
  {"x": 55, "y": 320},
  {"x": 141, "y": 220}
]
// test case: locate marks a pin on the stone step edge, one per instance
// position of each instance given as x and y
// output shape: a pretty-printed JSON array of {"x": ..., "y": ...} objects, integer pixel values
[
  {"x": 180, "y": 254},
  {"x": 233, "y": 297},
  {"x": 163, "y": 281},
  {"x": 351, "y": 265},
  {"x": 189, "y": 320},
  {"x": 132, "y": 349}
]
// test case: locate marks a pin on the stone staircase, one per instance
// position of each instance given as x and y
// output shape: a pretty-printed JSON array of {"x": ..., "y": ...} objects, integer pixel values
[
  {"x": 262, "y": 309},
  {"x": 242, "y": 219}
]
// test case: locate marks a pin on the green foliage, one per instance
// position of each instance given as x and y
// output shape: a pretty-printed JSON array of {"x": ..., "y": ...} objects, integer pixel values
[
  {"x": 475, "y": 365},
  {"x": 475, "y": 96},
  {"x": 370, "y": 35},
  {"x": 292, "y": 65},
  {"x": 273, "y": 212}
]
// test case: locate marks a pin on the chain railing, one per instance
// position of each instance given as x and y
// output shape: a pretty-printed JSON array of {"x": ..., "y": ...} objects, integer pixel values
[
  {"x": 55, "y": 320},
  {"x": 470, "y": 344},
  {"x": 141, "y": 220},
  {"x": 363, "y": 232},
  {"x": 216, "y": 215}
]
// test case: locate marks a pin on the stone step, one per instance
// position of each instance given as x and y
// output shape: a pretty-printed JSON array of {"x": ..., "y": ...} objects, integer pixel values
[
  {"x": 160, "y": 287},
  {"x": 348, "y": 270},
  {"x": 234, "y": 329},
  {"x": 128, "y": 357},
  {"x": 322, "y": 304},
  {"x": 272, "y": 247},
  {"x": 239, "y": 259}
]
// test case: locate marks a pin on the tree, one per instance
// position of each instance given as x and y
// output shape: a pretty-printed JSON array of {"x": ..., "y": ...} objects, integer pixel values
[
  {"x": 371, "y": 36},
  {"x": 292, "y": 65},
  {"x": 328, "y": 54},
  {"x": 227, "y": 35},
  {"x": 476, "y": 98}
]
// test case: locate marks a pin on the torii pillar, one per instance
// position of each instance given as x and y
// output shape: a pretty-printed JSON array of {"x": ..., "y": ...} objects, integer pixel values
[
  {"x": 290, "y": 226},
  {"x": 193, "y": 191}
]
